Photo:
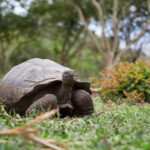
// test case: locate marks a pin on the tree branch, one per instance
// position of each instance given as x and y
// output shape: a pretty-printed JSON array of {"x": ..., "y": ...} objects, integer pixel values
[
  {"x": 148, "y": 3},
  {"x": 66, "y": 39},
  {"x": 115, "y": 26},
  {"x": 80, "y": 46},
  {"x": 101, "y": 19},
  {"x": 134, "y": 40},
  {"x": 124, "y": 8},
  {"x": 82, "y": 18},
  {"x": 72, "y": 43}
]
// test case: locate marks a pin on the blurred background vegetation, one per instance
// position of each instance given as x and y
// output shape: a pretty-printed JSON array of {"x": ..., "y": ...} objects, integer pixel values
[{"x": 85, "y": 35}]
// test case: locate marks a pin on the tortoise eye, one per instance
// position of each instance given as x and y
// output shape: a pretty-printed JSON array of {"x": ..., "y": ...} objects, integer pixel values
[{"x": 76, "y": 77}]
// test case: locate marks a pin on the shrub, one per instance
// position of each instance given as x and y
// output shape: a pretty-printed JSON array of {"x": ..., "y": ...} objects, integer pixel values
[{"x": 125, "y": 81}]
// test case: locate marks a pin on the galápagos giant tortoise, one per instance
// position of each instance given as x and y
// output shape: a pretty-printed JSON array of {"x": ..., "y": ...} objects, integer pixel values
[{"x": 42, "y": 84}]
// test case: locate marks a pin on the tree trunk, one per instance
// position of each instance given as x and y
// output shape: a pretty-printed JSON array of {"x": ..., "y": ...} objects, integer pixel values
[
  {"x": 109, "y": 59},
  {"x": 109, "y": 63},
  {"x": 62, "y": 60}
]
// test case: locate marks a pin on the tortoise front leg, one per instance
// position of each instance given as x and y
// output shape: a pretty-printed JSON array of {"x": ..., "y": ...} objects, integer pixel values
[
  {"x": 45, "y": 103},
  {"x": 82, "y": 103}
]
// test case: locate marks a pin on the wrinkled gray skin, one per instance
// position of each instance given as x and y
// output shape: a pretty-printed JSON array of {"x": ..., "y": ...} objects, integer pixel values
[{"x": 41, "y": 84}]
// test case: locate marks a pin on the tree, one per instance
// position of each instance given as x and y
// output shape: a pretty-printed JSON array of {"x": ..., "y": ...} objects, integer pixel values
[
  {"x": 60, "y": 24},
  {"x": 47, "y": 30},
  {"x": 13, "y": 30},
  {"x": 123, "y": 22}
]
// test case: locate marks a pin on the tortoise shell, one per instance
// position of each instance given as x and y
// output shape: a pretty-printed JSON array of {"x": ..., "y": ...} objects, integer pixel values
[
  {"x": 31, "y": 75},
  {"x": 32, "y": 72}
]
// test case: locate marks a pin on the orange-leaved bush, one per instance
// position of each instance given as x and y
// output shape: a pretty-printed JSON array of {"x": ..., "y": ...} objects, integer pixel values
[{"x": 125, "y": 81}]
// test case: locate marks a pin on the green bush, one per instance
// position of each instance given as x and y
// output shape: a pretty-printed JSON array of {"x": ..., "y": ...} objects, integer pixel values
[{"x": 125, "y": 82}]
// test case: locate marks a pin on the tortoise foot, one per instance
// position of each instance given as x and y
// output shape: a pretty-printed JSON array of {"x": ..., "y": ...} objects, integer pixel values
[
  {"x": 46, "y": 103},
  {"x": 65, "y": 109}
]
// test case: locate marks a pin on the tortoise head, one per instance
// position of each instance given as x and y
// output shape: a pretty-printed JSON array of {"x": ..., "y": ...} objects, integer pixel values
[{"x": 69, "y": 77}]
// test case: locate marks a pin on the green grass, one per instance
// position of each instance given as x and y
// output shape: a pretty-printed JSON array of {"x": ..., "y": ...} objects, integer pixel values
[{"x": 111, "y": 127}]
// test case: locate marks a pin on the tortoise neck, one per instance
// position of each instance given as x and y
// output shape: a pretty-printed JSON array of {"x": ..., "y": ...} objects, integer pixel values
[{"x": 64, "y": 94}]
